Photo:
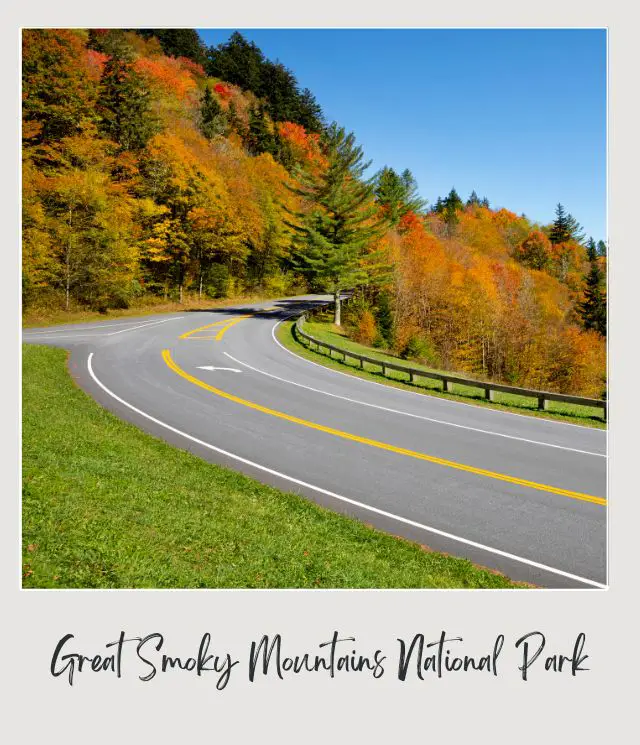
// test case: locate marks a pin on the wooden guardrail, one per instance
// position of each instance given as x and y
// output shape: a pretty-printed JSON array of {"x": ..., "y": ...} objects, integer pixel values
[{"x": 489, "y": 388}]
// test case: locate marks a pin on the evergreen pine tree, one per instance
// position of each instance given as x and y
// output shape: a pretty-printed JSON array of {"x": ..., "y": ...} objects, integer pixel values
[
  {"x": 125, "y": 105},
  {"x": 397, "y": 193},
  {"x": 178, "y": 42},
  {"x": 332, "y": 237},
  {"x": 594, "y": 307},
  {"x": 384, "y": 319},
  {"x": 452, "y": 203},
  {"x": 602, "y": 248},
  {"x": 474, "y": 200},
  {"x": 565, "y": 228},
  {"x": 453, "y": 200},
  {"x": 212, "y": 117},
  {"x": 260, "y": 139},
  {"x": 591, "y": 250}
]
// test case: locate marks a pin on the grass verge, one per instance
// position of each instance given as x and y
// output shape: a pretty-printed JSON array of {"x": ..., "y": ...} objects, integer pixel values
[
  {"x": 37, "y": 318},
  {"x": 105, "y": 505},
  {"x": 325, "y": 331}
]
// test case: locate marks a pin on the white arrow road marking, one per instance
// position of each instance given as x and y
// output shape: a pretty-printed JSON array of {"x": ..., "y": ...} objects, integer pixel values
[{"x": 210, "y": 367}]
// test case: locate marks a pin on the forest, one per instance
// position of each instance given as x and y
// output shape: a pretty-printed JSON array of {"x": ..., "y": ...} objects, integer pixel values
[{"x": 155, "y": 168}]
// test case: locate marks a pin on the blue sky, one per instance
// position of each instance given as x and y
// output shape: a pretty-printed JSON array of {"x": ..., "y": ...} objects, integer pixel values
[{"x": 517, "y": 115}]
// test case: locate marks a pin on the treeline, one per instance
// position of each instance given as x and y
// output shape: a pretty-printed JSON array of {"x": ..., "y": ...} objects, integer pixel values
[
  {"x": 462, "y": 297},
  {"x": 155, "y": 168},
  {"x": 240, "y": 62},
  {"x": 144, "y": 176}
]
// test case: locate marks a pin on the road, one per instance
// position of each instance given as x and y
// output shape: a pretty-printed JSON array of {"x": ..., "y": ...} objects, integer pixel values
[{"x": 518, "y": 494}]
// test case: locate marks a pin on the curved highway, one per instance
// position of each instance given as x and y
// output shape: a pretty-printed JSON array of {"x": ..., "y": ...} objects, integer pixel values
[{"x": 522, "y": 495}]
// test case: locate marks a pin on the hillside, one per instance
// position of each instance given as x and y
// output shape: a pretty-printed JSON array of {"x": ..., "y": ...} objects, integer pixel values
[{"x": 154, "y": 168}]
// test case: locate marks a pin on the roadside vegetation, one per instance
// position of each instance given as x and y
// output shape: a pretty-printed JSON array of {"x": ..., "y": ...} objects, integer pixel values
[
  {"x": 41, "y": 317},
  {"x": 323, "y": 329},
  {"x": 106, "y": 506}
]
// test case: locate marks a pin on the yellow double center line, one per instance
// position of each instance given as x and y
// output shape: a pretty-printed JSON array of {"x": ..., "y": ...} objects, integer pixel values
[
  {"x": 166, "y": 355},
  {"x": 226, "y": 325}
]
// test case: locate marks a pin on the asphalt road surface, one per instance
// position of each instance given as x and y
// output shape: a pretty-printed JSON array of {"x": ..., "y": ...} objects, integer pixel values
[{"x": 522, "y": 495}]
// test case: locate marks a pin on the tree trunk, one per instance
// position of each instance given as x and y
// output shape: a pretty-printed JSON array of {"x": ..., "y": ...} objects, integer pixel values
[
  {"x": 336, "y": 310},
  {"x": 200, "y": 288},
  {"x": 68, "y": 264}
]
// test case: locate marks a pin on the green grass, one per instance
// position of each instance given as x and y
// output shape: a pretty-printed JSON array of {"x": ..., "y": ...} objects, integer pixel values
[
  {"x": 105, "y": 505},
  {"x": 325, "y": 331}
]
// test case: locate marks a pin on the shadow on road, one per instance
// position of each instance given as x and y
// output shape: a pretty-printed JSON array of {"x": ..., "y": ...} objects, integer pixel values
[{"x": 285, "y": 308}]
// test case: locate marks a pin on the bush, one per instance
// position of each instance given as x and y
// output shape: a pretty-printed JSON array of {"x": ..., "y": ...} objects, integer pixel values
[
  {"x": 421, "y": 349},
  {"x": 365, "y": 330},
  {"x": 217, "y": 281},
  {"x": 384, "y": 320}
]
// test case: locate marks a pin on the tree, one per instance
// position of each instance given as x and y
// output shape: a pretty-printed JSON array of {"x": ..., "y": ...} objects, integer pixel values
[
  {"x": 451, "y": 205},
  {"x": 535, "y": 251},
  {"x": 398, "y": 194},
  {"x": 212, "y": 117},
  {"x": 593, "y": 308},
  {"x": 602, "y": 248},
  {"x": 474, "y": 200},
  {"x": 310, "y": 114},
  {"x": 565, "y": 228},
  {"x": 125, "y": 106},
  {"x": 592, "y": 250},
  {"x": 341, "y": 220},
  {"x": 260, "y": 138},
  {"x": 58, "y": 94},
  {"x": 238, "y": 61},
  {"x": 242, "y": 63},
  {"x": 178, "y": 42}
]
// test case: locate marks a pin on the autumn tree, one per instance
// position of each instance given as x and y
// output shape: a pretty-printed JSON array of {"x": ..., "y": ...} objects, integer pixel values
[
  {"x": 535, "y": 250},
  {"x": 341, "y": 221},
  {"x": 57, "y": 91}
]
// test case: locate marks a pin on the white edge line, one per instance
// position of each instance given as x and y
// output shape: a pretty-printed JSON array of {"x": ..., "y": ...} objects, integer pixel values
[
  {"x": 144, "y": 325},
  {"x": 415, "y": 393},
  {"x": 414, "y": 416},
  {"x": 80, "y": 330},
  {"x": 339, "y": 497}
]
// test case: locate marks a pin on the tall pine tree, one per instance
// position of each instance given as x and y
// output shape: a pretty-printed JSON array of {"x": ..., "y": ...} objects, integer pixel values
[{"x": 333, "y": 235}]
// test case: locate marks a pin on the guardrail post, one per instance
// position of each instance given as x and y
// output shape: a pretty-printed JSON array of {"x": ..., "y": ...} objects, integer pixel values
[
  {"x": 542, "y": 403},
  {"x": 384, "y": 369},
  {"x": 488, "y": 394},
  {"x": 410, "y": 376},
  {"x": 361, "y": 363},
  {"x": 446, "y": 386}
]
